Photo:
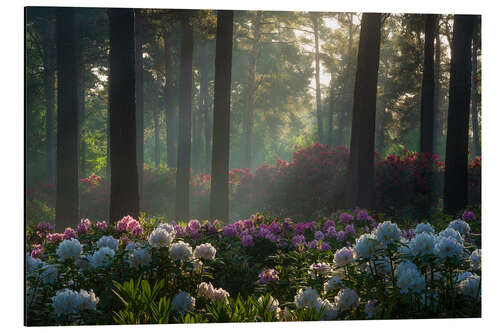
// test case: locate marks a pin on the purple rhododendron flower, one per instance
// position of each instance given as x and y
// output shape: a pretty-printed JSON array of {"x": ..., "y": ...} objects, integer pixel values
[
  {"x": 268, "y": 275},
  {"x": 37, "y": 251},
  {"x": 341, "y": 236},
  {"x": 229, "y": 230},
  {"x": 312, "y": 244},
  {"x": 363, "y": 215},
  {"x": 325, "y": 246},
  {"x": 101, "y": 225},
  {"x": 331, "y": 232},
  {"x": 274, "y": 227},
  {"x": 346, "y": 217},
  {"x": 69, "y": 233},
  {"x": 319, "y": 235},
  {"x": 179, "y": 230},
  {"x": 349, "y": 229},
  {"x": 194, "y": 225},
  {"x": 468, "y": 215},
  {"x": 248, "y": 223},
  {"x": 298, "y": 239},
  {"x": 328, "y": 224},
  {"x": 247, "y": 240}
]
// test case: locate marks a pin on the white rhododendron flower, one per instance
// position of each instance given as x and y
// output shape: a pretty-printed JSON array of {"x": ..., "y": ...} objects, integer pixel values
[
  {"x": 48, "y": 274},
  {"x": 343, "y": 256},
  {"x": 451, "y": 233},
  {"x": 424, "y": 227},
  {"x": 69, "y": 249},
  {"x": 168, "y": 227},
  {"x": 102, "y": 257},
  {"x": 180, "y": 251},
  {"x": 461, "y": 226},
  {"x": 272, "y": 305},
  {"x": 447, "y": 247},
  {"x": 333, "y": 283},
  {"x": 139, "y": 258},
  {"x": 32, "y": 264},
  {"x": 387, "y": 233},
  {"x": 160, "y": 238},
  {"x": 208, "y": 291},
  {"x": 320, "y": 269},
  {"x": 371, "y": 309},
  {"x": 366, "y": 245},
  {"x": 475, "y": 259},
  {"x": 403, "y": 266},
  {"x": 108, "y": 241},
  {"x": 306, "y": 298},
  {"x": 132, "y": 246},
  {"x": 422, "y": 244},
  {"x": 346, "y": 299},
  {"x": 205, "y": 251},
  {"x": 471, "y": 286},
  {"x": 410, "y": 280},
  {"x": 183, "y": 302},
  {"x": 329, "y": 309},
  {"x": 67, "y": 301}
]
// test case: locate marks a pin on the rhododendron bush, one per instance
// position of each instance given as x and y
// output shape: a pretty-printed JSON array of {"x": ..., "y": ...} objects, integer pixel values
[
  {"x": 349, "y": 265},
  {"x": 311, "y": 185}
]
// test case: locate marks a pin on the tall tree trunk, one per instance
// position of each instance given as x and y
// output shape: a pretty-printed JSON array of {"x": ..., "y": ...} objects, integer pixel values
[
  {"x": 331, "y": 109},
  {"x": 108, "y": 136},
  {"x": 196, "y": 132},
  {"x": 83, "y": 144},
  {"x": 219, "y": 189},
  {"x": 67, "y": 197},
  {"x": 156, "y": 122},
  {"x": 204, "y": 104},
  {"x": 317, "y": 75},
  {"x": 427, "y": 99},
  {"x": 249, "y": 116},
  {"x": 124, "y": 199},
  {"x": 438, "y": 130},
  {"x": 139, "y": 94},
  {"x": 455, "y": 176},
  {"x": 347, "y": 94},
  {"x": 360, "y": 189},
  {"x": 184, "y": 151},
  {"x": 49, "y": 50},
  {"x": 476, "y": 144},
  {"x": 169, "y": 99}
]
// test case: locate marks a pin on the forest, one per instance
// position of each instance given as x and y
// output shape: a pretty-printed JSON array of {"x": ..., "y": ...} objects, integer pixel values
[{"x": 311, "y": 165}]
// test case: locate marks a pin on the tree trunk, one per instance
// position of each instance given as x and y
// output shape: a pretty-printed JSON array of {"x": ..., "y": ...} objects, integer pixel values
[
  {"x": 83, "y": 144},
  {"x": 49, "y": 50},
  {"x": 438, "y": 130},
  {"x": 427, "y": 98},
  {"x": 204, "y": 104},
  {"x": 455, "y": 176},
  {"x": 317, "y": 74},
  {"x": 184, "y": 151},
  {"x": 347, "y": 94},
  {"x": 331, "y": 110},
  {"x": 169, "y": 99},
  {"x": 196, "y": 117},
  {"x": 360, "y": 188},
  {"x": 476, "y": 144},
  {"x": 124, "y": 198},
  {"x": 219, "y": 189},
  {"x": 67, "y": 196},
  {"x": 139, "y": 95},
  {"x": 156, "y": 122},
  {"x": 249, "y": 117}
]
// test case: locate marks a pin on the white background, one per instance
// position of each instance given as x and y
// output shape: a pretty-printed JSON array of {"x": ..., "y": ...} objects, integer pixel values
[{"x": 12, "y": 163}]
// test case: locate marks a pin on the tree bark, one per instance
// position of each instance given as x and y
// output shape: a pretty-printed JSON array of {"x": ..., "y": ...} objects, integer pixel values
[
  {"x": 49, "y": 50},
  {"x": 476, "y": 143},
  {"x": 169, "y": 99},
  {"x": 204, "y": 104},
  {"x": 196, "y": 117},
  {"x": 317, "y": 74},
  {"x": 139, "y": 94},
  {"x": 455, "y": 177},
  {"x": 184, "y": 151},
  {"x": 331, "y": 110},
  {"x": 360, "y": 188},
  {"x": 427, "y": 98},
  {"x": 67, "y": 196},
  {"x": 249, "y": 116},
  {"x": 438, "y": 127},
  {"x": 219, "y": 189},
  {"x": 124, "y": 199},
  {"x": 156, "y": 122}
]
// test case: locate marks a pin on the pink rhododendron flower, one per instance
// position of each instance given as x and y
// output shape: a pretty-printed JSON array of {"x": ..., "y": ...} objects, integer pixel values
[
  {"x": 37, "y": 251},
  {"x": 69, "y": 233},
  {"x": 268, "y": 275},
  {"x": 101, "y": 225},
  {"x": 468, "y": 216}
]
